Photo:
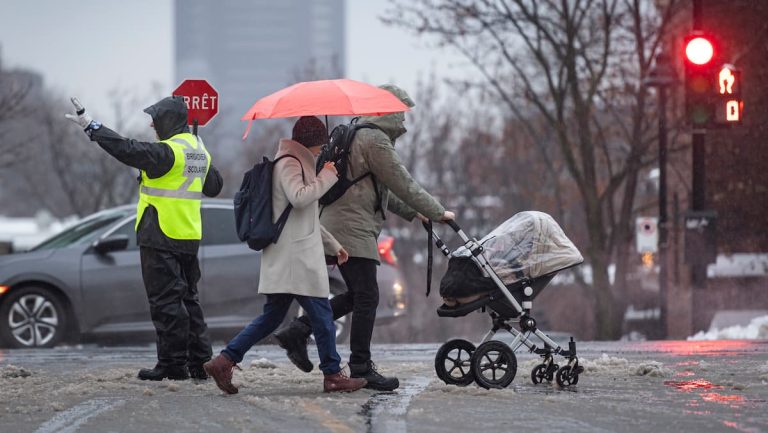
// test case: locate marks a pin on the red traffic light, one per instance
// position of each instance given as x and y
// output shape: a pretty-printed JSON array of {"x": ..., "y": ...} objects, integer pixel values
[{"x": 699, "y": 50}]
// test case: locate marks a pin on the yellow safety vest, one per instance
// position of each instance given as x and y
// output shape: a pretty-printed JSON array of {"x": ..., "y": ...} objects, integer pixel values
[{"x": 177, "y": 194}]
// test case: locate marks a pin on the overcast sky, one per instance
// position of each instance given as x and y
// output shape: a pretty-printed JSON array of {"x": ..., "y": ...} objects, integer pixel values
[{"x": 89, "y": 47}]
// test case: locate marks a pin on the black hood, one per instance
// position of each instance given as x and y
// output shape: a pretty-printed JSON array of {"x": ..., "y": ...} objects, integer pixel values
[{"x": 169, "y": 116}]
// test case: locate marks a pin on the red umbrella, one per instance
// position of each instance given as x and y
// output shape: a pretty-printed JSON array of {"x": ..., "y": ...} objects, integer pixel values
[{"x": 325, "y": 97}]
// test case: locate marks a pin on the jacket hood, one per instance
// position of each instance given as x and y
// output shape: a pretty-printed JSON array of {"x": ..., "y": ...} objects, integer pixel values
[
  {"x": 292, "y": 147},
  {"x": 169, "y": 116},
  {"x": 392, "y": 124}
]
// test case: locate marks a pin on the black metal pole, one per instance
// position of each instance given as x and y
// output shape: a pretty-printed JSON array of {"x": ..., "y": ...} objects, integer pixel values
[
  {"x": 194, "y": 127},
  {"x": 662, "y": 226},
  {"x": 698, "y": 166},
  {"x": 697, "y": 13}
]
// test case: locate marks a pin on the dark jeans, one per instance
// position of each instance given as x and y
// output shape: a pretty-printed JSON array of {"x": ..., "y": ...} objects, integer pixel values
[
  {"x": 170, "y": 279},
  {"x": 361, "y": 299},
  {"x": 320, "y": 318}
]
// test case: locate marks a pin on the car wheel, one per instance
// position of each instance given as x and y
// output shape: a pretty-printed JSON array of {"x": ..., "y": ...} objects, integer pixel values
[{"x": 32, "y": 317}]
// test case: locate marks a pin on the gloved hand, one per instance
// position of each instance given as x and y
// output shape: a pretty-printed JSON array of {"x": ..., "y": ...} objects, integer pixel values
[{"x": 80, "y": 117}]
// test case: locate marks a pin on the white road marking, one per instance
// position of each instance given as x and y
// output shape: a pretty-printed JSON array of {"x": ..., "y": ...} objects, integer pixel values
[{"x": 71, "y": 419}]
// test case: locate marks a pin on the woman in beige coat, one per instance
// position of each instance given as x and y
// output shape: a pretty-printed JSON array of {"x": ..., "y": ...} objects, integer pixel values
[{"x": 294, "y": 267}]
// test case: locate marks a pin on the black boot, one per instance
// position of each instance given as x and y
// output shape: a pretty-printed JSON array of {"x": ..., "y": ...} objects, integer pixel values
[
  {"x": 375, "y": 380},
  {"x": 197, "y": 371},
  {"x": 293, "y": 338},
  {"x": 164, "y": 372}
]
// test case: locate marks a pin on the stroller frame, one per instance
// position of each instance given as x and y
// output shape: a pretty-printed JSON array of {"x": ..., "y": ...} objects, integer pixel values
[{"x": 566, "y": 375}]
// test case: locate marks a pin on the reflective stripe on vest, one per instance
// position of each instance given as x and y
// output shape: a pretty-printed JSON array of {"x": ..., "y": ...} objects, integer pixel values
[
  {"x": 195, "y": 167},
  {"x": 176, "y": 195}
]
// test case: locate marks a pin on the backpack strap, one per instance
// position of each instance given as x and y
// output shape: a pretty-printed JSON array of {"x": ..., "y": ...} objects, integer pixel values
[
  {"x": 303, "y": 179},
  {"x": 430, "y": 255},
  {"x": 283, "y": 218},
  {"x": 379, "y": 207}
]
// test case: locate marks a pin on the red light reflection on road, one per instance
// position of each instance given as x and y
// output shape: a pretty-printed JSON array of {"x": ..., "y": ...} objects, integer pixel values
[
  {"x": 690, "y": 385},
  {"x": 687, "y": 348},
  {"x": 686, "y": 373},
  {"x": 719, "y": 398},
  {"x": 687, "y": 386}
]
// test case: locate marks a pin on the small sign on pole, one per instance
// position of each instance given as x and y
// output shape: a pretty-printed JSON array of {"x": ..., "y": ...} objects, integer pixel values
[{"x": 647, "y": 235}]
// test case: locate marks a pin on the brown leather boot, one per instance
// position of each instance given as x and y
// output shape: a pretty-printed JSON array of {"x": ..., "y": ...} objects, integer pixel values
[
  {"x": 340, "y": 382},
  {"x": 220, "y": 369}
]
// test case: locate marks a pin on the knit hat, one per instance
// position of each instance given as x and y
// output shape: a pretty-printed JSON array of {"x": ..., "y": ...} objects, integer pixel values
[{"x": 310, "y": 131}]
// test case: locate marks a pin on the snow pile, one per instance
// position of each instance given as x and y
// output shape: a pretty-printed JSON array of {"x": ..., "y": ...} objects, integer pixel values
[
  {"x": 764, "y": 372},
  {"x": 756, "y": 330},
  {"x": 11, "y": 371},
  {"x": 650, "y": 368},
  {"x": 604, "y": 364},
  {"x": 610, "y": 364},
  {"x": 263, "y": 363}
]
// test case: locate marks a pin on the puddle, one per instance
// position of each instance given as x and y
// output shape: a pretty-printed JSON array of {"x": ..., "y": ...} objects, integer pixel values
[{"x": 385, "y": 412}]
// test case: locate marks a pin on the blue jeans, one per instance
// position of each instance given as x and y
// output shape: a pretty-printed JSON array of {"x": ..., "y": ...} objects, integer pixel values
[{"x": 275, "y": 310}]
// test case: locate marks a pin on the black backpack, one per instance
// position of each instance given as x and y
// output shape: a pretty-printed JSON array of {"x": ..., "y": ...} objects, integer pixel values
[
  {"x": 253, "y": 206},
  {"x": 337, "y": 151}
]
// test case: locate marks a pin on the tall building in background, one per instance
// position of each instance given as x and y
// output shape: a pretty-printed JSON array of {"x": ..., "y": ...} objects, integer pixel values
[{"x": 248, "y": 49}]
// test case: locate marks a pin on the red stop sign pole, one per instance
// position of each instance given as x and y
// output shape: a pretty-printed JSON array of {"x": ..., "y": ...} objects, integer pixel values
[{"x": 202, "y": 101}]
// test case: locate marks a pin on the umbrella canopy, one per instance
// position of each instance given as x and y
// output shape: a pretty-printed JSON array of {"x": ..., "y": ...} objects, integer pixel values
[{"x": 341, "y": 97}]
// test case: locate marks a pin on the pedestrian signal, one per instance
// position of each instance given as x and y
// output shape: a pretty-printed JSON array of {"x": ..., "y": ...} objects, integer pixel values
[{"x": 728, "y": 102}]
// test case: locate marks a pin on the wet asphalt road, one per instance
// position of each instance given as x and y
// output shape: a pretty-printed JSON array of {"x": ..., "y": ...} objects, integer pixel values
[{"x": 672, "y": 386}]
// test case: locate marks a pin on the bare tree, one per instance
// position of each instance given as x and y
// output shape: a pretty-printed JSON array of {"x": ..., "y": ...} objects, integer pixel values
[
  {"x": 570, "y": 73},
  {"x": 15, "y": 95}
]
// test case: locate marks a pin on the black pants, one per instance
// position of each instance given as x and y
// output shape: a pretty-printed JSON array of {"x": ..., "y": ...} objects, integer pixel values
[
  {"x": 361, "y": 299},
  {"x": 170, "y": 280}
]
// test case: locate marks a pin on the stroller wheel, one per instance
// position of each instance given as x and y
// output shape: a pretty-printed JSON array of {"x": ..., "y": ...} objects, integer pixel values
[
  {"x": 565, "y": 377},
  {"x": 494, "y": 365},
  {"x": 452, "y": 362},
  {"x": 540, "y": 373}
]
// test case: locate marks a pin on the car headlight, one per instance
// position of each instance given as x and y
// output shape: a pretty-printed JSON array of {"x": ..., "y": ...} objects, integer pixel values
[{"x": 399, "y": 291}]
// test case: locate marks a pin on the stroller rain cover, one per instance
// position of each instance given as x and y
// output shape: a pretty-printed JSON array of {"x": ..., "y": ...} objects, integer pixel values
[{"x": 528, "y": 245}]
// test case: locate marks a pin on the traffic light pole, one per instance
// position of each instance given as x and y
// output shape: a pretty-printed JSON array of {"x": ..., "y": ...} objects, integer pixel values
[
  {"x": 698, "y": 165},
  {"x": 699, "y": 199},
  {"x": 661, "y": 77},
  {"x": 663, "y": 265}
]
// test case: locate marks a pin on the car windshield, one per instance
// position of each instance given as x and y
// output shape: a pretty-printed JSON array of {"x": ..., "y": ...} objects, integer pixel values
[{"x": 82, "y": 232}]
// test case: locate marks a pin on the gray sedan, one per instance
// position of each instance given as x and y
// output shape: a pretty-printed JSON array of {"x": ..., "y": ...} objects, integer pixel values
[{"x": 87, "y": 281}]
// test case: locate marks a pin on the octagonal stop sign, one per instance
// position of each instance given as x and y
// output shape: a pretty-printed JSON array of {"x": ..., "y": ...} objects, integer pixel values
[{"x": 201, "y": 98}]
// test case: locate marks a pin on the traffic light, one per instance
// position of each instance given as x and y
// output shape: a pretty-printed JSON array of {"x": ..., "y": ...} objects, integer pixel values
[{"x": 699, "y": 80}]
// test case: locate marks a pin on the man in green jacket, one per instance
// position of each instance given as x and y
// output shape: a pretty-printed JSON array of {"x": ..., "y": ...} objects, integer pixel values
[{"x": 355, "y": 220}]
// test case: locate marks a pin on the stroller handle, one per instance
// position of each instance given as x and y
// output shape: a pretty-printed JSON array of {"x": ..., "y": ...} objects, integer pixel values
[
  {"x": 453, "y": 225},
  {"x": 450, "y": 223}
]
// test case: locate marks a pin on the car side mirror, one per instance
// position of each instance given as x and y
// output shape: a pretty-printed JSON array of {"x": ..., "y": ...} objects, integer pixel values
[{"x": 110, "y": 244}]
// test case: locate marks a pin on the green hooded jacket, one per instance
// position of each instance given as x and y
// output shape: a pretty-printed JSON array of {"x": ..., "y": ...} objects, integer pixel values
[{"x": 354, "y": 219}]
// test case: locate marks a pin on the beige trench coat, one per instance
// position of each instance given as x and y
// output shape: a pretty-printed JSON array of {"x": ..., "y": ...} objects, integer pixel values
[{"x": 296, "y": 263}]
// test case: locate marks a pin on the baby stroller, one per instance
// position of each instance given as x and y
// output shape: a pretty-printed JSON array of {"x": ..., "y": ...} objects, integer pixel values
[{"x": 502, "y": 274}]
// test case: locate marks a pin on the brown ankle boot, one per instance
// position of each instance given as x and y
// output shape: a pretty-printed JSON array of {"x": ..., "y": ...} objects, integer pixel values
[
  {"x": 340, "y": 382},
  {"x": 220, "y": 369}
]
